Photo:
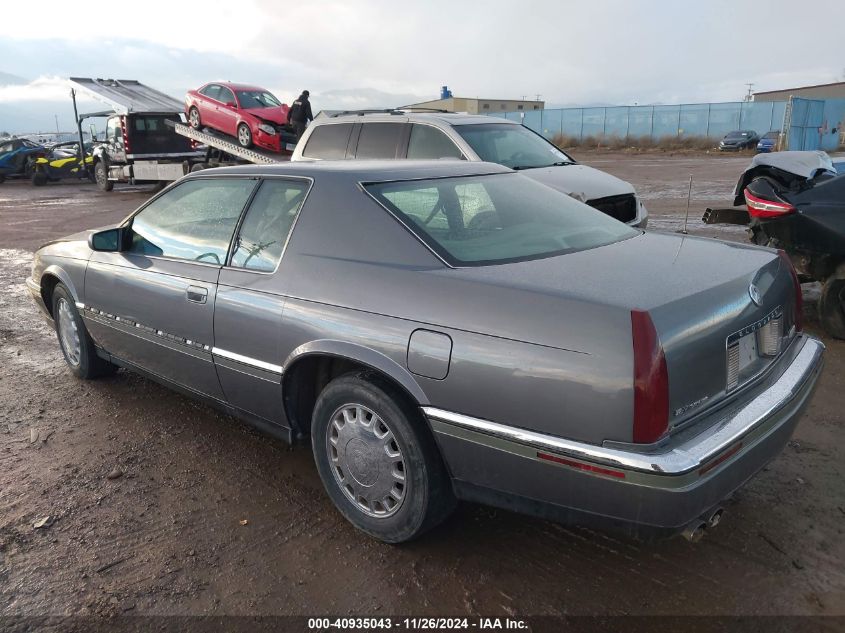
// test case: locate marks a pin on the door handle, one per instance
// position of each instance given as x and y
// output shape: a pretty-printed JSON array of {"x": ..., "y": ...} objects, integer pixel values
[{"x": 197, "y": 294}]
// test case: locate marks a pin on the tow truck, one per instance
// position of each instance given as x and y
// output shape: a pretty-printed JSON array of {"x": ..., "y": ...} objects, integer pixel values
[{"x": 147, "y": 140}]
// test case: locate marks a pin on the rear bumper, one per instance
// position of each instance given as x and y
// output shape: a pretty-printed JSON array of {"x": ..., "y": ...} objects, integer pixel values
[{"x": 663, "y": 490}]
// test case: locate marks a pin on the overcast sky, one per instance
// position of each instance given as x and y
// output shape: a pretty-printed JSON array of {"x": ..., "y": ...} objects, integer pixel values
[{"x": 376, "y": 52}]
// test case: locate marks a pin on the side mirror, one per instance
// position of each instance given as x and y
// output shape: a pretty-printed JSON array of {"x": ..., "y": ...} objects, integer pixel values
[
  {"x": 109, "y": 241},
  {"x": 231, "y": 104}
]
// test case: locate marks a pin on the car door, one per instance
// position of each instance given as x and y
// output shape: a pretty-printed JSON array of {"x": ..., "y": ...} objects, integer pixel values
[
  {"x": 227, "y": 111},
  {"x": 152, "y": 303},
  {"x": 114, "y": 140},
  {"x": 249, "y": 303},
  {"x": 207, "y": 103}
]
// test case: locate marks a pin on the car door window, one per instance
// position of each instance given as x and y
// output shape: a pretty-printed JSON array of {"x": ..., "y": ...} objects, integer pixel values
[
  {"x": 378, "y": 140},
  {"x": 212, "y": 92},
  {"x": 193, "y": 221},
  {"x": 267, "y": 224},
  {"x": 328, "y": 141},
  {"x": 428, "y": 142},
  {"x": 227, "y": 96}
]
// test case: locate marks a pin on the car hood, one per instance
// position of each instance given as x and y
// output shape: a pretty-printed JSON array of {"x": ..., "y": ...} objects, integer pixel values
[
  {"x": 275, "y": 115},
  {"x": 580, "y": 181}
]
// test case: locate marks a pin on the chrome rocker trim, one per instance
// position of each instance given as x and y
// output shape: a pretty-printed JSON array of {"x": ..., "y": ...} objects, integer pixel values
[
  {"x": 756, "y": 417},
  {"x": 246, "y": 360}
]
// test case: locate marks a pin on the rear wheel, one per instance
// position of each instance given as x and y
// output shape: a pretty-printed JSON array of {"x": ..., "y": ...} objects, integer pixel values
[
  {"x": 74, "y": 340},
  {"x": 832, "y": 307},
  {"x": 244, "y": 135},
  {"x": 378, "y": 460},
  {"x": 101, "y": 175},
  {"x": 194, "y": 118}
]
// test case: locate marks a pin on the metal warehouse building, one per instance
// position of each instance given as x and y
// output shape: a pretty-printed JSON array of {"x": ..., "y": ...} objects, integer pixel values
[
  {"x": 819, "y": 91},
  {"x": 474, "y": 105}
]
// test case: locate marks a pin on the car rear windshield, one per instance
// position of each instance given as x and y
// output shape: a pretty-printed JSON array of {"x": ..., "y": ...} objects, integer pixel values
[
  {"x": 513, "y": 146},
  {"x": 256, "y": 99},
  {"x": 497, "y": 218}
]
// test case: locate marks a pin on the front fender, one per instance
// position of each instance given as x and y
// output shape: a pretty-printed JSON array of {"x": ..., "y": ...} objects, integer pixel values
[
  {"x": 363, "y": 355},
  {"x": 64, "y": 277}
]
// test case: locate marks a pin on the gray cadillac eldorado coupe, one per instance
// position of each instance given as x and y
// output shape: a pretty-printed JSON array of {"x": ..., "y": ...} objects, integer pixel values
[{"x": 447, "y": 330}]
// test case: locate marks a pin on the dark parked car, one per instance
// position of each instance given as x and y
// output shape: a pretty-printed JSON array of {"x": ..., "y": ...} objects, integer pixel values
[
  {"x": 737, "y": 140},
  {"x": 18, "y": 156},
  {"x": 796, "y": 201},
  {"x": 449, "y": 329},
  {"x": 769, "y": 141}
]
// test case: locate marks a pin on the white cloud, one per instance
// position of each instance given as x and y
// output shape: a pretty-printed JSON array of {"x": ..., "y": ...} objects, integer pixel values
[{"x": 41, "y": 89}]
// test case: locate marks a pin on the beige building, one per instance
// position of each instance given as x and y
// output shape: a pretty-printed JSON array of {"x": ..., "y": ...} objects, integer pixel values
[
  {"x": 819, "y": 91},
  {"x": 474, "y": 105}
]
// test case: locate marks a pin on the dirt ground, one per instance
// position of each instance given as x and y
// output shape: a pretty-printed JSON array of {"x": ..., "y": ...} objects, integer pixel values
[{"x": 147, "y": 492}]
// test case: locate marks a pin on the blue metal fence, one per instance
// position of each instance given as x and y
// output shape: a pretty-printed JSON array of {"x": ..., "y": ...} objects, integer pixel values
[{"x": 712, "y": 120}]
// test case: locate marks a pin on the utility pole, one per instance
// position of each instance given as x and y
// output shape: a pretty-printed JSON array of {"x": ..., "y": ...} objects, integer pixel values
[
  {"x": 56, "y": 116},
  {"x": 749, "y": 95},
  {"x": 538, "y": 97}
]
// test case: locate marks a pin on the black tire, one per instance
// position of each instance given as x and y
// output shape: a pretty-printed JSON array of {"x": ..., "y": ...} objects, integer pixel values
[
  {"x": 83, "y": 362},
  {"x": 194, "y": 118},
  {"x": 101, "y": 176},
  {"x": 426, "y": 488},
  {"x": 2, "y": 179},
  {"x": 244, "y": 135},
  {"x": 39, "y": 178},
  {"x": 832, "y": 307}
]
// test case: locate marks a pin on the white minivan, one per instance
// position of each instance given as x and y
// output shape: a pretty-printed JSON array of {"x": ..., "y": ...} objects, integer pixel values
[{"x": 437, "y": 135}]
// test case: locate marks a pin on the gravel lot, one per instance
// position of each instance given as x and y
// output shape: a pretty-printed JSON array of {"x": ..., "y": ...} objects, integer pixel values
[{"x": 147, "y": 492}]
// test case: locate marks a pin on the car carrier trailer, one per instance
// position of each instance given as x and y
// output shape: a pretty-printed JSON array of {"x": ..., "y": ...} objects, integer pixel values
[{"x": 146, "y": 139}]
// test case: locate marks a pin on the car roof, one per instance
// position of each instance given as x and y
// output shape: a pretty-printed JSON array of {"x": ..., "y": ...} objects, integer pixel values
[
  {"x": 364, "y": 170},
  {"x": 449, "y": 118},
  {"x": 234, "y": 86}
]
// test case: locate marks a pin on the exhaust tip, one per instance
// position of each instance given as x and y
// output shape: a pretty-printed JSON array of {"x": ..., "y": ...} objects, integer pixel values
[
  {"x": 715, "y": 518},
  {"x": 694, "y": 531}
]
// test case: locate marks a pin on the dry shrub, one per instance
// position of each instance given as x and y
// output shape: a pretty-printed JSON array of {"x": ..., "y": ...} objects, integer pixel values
[{"x": 635, "y": 143}]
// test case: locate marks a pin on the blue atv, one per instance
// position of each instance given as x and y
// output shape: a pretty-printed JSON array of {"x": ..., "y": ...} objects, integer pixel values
[{"x": 18, "y": 158}]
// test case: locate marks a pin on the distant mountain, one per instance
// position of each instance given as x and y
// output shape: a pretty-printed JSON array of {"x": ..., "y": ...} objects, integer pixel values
[
  {"x": 361, "y": 99},
  {"x": 7, "y": 79}
]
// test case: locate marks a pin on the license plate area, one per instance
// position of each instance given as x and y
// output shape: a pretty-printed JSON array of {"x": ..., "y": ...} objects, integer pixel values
[{"x": 751, "y": 349}]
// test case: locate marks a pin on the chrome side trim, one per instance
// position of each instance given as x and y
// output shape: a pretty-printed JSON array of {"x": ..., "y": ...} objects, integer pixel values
[
  {"x": 246, "y": 360},
  {"x": 80, "y": 305},
  {"x": 797, "y": 380}
]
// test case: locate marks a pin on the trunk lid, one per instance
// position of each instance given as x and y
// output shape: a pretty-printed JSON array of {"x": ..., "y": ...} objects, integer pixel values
[{"x": 697, "y": 291}]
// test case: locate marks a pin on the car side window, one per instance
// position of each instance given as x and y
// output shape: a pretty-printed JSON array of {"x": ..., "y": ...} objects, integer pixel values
[
  {"x": 378, "y": 140},
  {"x": 267, "y": 224},
  {"x": 428, "y": 142},
  {"x": 226, "y": 95},
  {"x": 211, "y": 91},
  {"x": 328, "y": 141},
  {"x": 7, "y": 147},
  {"x": 193, "y": 221}
]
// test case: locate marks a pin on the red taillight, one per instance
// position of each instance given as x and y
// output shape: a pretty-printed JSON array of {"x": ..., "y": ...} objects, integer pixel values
[
  {"x": 760, "y": 208},
  {"x": 651, "y": 381},
  {"x": 798, "y": 316}
]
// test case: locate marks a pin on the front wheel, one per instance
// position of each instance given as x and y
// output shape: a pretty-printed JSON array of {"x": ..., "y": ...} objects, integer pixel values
[
  {"x": 74, "y": 340},
  {"x": 101, "y": 175},
  {"x": 832, "y": 307},
  {"x": 244, "y": 135},
  {"x": 378, "y": 460},
  {"x": 39, "y": 178}
]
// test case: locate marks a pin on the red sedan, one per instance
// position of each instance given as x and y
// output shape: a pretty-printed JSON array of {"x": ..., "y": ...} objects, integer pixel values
[{"x": 249, "y": 113}]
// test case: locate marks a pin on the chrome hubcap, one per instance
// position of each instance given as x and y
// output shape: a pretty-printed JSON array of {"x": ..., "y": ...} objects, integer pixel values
[
  {"x": 366, "y": 460},
  {"x": 243, "y": 135},
  {"x": 68, "y": 333}
]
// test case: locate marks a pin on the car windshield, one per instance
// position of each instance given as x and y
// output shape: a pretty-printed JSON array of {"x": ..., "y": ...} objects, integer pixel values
[
  {"x": 257, "y": 99},
  {"x": 494, "y": 219},
  {"x": 513, "y": 146},
  {"x": 737, "y": 135},
  {"x": 771, "y": 135}
]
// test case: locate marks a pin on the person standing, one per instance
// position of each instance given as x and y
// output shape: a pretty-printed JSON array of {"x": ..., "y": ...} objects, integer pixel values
[{"x": 300, "y": 114}]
